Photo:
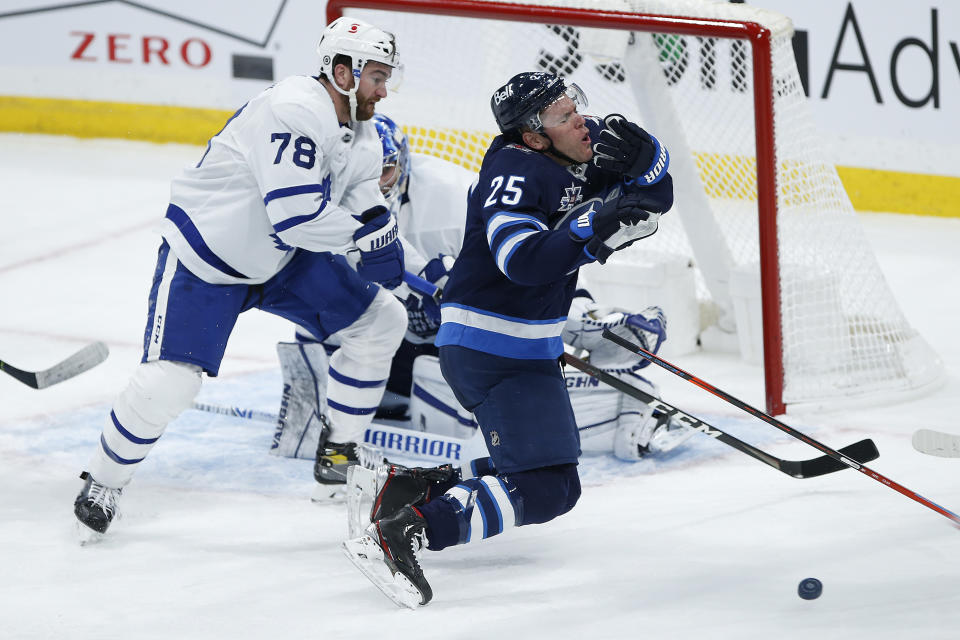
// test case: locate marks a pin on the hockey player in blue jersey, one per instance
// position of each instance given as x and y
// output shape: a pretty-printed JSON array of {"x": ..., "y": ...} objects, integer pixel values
[
  {"x": 283, "y": 212},
  {"x": 557, "y": 190}
]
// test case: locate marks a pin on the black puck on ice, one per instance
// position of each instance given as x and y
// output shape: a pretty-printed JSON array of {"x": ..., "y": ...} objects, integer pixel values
[{"x": 810, "y": 589}]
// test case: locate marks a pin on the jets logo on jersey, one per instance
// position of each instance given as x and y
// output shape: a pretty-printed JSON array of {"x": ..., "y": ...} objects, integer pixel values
[{"x": 571, "y": 198}]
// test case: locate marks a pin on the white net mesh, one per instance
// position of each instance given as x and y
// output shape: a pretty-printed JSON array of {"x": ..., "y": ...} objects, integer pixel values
[{"x": 844, "y": 336}]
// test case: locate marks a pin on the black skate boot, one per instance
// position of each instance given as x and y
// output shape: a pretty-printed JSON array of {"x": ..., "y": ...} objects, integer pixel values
[
  {"x": 387, "y": 555},
  {"x": 399, "y": 486},
  {"x": 333, "y": 460},
  {"x": 95, "y": 507}
]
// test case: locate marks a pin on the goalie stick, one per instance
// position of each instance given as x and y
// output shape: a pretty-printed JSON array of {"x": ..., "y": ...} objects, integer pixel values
[
  {"x": 936, "y": 443},
  {"x": 864, "y": 451},
  {"x": 839, "y": 457},
  {"x": 83, "y": 360}
]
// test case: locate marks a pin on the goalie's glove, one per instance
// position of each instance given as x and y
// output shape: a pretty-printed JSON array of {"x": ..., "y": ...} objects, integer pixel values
[
  {"x": 423, "y": 312},
  {"x": 647, "y": 328},
  {"x": 381, "y": 254},
  {"x": 437, "y": 270},
  {"x": 628, "y": 150},
  {"x": 620, "y": 222}
]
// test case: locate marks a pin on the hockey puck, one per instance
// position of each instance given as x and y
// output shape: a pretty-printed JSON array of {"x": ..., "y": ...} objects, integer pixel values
[{"x": 810, "y": 589}]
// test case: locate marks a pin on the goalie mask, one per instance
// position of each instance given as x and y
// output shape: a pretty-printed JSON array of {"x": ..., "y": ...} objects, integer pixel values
[
  {"x": 396, "y": 161},
  {"x": 362, "y": 43},
  {"x": 521, "y": 101}
]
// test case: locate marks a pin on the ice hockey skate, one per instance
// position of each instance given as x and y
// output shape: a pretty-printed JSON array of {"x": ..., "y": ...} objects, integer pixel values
[
  {"x": 375, "y": 495},
  {"x": 95, "y": 508},
  {"x": 333, "y": 463},
  {"x": 387, "y": 555}
]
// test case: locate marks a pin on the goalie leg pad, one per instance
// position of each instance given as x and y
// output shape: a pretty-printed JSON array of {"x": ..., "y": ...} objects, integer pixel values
[
  {"x": 157, "y": 393},
  {"x": 304, "y": 368},
  {"x": 433, "y": 406}
]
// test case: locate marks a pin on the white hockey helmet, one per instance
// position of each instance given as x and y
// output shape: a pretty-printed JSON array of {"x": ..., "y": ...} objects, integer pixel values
[{"x": 363, "y": 43}]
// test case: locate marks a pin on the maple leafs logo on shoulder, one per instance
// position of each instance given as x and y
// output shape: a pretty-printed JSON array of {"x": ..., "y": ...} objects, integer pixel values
[{"x": 571, "y": 198}]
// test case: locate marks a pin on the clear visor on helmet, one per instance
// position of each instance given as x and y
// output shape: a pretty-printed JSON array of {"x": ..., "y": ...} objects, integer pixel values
[
  {"x": 562, "y": 109},
  {"x": 392, "y": 178},
  {"x": 390, "y": 175}
]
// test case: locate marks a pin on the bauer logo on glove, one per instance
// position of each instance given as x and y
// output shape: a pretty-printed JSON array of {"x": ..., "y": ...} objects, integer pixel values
[{"x": 625, "y": 148}]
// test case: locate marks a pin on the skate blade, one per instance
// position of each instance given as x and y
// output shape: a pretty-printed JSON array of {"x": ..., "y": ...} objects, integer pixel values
[
  {"x": 361, "y": 490},
  {"x": 328, "y": 493},
  {"x": 88, "y": 536},
  {"x": 367, "y": 556}
]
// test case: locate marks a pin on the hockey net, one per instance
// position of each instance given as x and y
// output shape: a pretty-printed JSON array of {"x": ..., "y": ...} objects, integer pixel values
[{"x": 756, "y": 200}]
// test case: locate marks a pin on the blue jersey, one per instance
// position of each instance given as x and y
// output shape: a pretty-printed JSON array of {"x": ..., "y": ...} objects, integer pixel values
[{"x": 511, "y": 286}]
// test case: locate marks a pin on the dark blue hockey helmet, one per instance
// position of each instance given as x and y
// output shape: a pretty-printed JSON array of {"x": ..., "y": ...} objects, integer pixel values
[{"x": 520, "y": 102}]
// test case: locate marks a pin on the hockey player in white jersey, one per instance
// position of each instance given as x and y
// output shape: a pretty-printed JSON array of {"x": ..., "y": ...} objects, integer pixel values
[
  {"x": 428, "y": 196},
  {"x": 283, "y": 212}
]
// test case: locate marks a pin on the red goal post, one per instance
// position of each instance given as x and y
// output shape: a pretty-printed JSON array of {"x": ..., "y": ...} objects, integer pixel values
[{"x": 766, "y": 198}]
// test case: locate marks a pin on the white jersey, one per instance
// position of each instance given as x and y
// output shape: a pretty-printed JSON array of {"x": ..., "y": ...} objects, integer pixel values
[
  {"x": 281, "y": 174},
  {"x": 434, "y": 211}
]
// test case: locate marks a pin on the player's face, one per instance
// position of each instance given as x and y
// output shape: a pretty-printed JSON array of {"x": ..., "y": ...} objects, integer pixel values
[
  {"x": 567, "y": 129},
  {"x": 372, "y": 88}
]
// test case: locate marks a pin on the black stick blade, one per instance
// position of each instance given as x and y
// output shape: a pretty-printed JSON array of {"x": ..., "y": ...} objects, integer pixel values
[{"x": 858, "y": 453}]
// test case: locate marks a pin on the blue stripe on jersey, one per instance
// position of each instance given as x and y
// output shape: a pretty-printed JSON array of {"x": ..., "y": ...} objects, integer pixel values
[
  {"x": 354, "y": 382},
  {"x": 499, "y": 334},
  {"x": 210, "y": 141},
  {"x": 490, "y": 510},
  {"x": 498, "y": 344},
  {"x": 286, "y": 192},
  {"x": 508, "y": 246},
  {"x": 192, "y": 235},
  {"x": 503, "y": 219},
  {"x": 441, "y": 406}
]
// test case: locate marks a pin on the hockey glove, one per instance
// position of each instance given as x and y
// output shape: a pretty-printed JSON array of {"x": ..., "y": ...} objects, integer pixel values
[
  {"x": 381, "y": 254},
  {"x": 437, "y": 270},
  {"x": 628, "y": 150},
  {"x": 618, "y": 223}
]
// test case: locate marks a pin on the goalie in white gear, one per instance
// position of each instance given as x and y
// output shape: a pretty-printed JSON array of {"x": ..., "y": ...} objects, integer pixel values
[
  {"x": 428, "y": 197},
  {"x": 267, "y": 219}
]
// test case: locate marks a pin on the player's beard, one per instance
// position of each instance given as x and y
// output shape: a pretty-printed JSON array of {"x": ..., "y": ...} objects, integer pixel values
[{"x": 365, "y": 108}]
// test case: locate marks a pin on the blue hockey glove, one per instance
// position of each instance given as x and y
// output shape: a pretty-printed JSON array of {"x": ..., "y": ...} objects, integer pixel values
[
  {"x": 625, "y": 148},
  {"x": 437, "y": 270},
  {"x": 381, "y": 254}
]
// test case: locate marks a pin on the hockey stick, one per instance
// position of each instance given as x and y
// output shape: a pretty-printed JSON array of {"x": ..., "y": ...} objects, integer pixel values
[
  {"x": 87, "y": 358},
  {"x": 839, "y": 457},
  {"x": 431, "y": 447},
  {"x": 236, "y": 412},
  {"x": 865, "y": 450},
  {"x": 936, "y": 443},
  {"x": 420, "y": 285}
]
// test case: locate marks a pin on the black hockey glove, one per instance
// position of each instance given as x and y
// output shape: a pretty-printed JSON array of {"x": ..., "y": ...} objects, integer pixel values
[
  {"x": 625, "y": 148},
  {"x": 617, "y": 223}
]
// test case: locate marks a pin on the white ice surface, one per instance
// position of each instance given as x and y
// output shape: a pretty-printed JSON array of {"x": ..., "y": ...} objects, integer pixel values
[{"x": 219, "y": 539}]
